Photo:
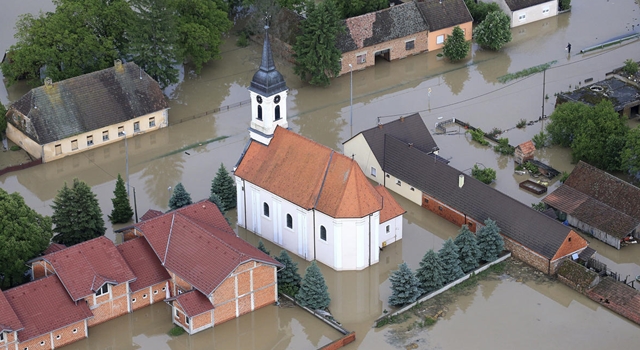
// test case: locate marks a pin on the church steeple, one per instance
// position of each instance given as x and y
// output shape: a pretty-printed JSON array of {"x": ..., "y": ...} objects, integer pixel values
[{"x": 268, "y": 92}]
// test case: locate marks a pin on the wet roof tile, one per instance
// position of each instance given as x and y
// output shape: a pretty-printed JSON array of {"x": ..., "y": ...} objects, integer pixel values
[
  {"x": 391, "y": 208},
  {"x": 144, "y": 263},
  {"x": 527, "y": 147},
  {"x": 193, "y": 303},
  {"x": 516, "y": 5},
  {"x": 442, "y": 14},
  {"x": 8, "y": 319}
]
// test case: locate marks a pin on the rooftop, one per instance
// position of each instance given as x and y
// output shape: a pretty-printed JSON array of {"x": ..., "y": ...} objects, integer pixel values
[
  {"x": 193, "y": 303},
  {"x": 516, "y": 5},
  {"x": 441, "y": 14},
  {"x": 612, "y": 89},
  {"x": 144, "y": 263}
]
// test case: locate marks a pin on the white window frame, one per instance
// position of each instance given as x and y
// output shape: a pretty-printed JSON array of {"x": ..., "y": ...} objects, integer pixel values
[
  {"x": 121, "y": 131},
  {"x": 58, "y": 149},
  {"x": 74, "y": 144},
  {"x": 152, "y": 122},
  {"x": 1, "y": 336},
  {"x": 388, "y": 229},
  {"x": 440, "y": 39},
  {"x": 75, "y": 330},
  {"x": 58, "y": 337},
  {"x": 187, "y": 319},
  {"x": 105, "y": 135},
  {"x": 42, "y": 343},
  {"x": 136, "y": 126},
  {"x": 398, "y": 182},
  {"x": 373, "y": 172},
  {"x": 101, "y": 290},
  {"x": 522, "y": 17},
  {"x": 413, "y": 43},
  {"x": 89, "y": 140}
]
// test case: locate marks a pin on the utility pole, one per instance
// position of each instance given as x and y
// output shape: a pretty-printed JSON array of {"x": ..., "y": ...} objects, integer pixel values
[
  {"x": 544, "y": 77},
  {"x": 126, "y": 157},
  {"x": 351, "y": 99}
]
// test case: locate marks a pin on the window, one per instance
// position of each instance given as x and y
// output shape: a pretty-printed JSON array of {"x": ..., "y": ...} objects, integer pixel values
[
  {"x": 120, "y": 131},
  {"x": 388, "y": 229},
  {"x": 361, "y": 59},
  {"x": 105, "y": 135},
  {"x": 277, "y": 112},
  {"x": 164, "y": 288},
  {"x": 440, "y": 39},
  {"x": 265, "y": 209},
  {"x": 177, "y": 314},
  {"x": 522, "y": 17},
  {"x": 155, "y": 292},
  {"x": 388, "y": 176},
  {"x": 152, "y": 122},
  {"x": 412, "y": 189},
  {"x": 187, "y": 320},
  {"x": 1, "y": 336},
  {"x": 144, "y": 296},
  {"x": 373, "y": 171},
  {"x": 103, "y": 290},
  {"x": 259, "y": 112},
  {"x": 289, "y": 221},
  {"x": 398, "y": 182},
  {"x": 75, "y": 330},
  {"x": 89, "y": 140},
  {"x": 426, "y": 201},
  {"x": 42, "y": 343},
  {"x": 440, "y": 208},
  {"x": 74, "y": 145},
  {"x": 58, "y": 336},
  {"x": 410, "y": 45},
  {"x": 133, "y": 300},
  {"x": 545, "y": 10},
  {"x": 323, "y": 233},
  {"x": 58, "y": 150}
]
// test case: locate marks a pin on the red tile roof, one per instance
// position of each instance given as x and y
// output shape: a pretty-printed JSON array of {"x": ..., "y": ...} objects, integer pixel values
[
  {"x": 151, "y": 213},
  {"x": 44, "y": 306},
  {"x": 391, "y": 209},
  {"x": 309, "y": 175},
  {"x": 202, "y": 255},
  {"x": 53, "y": 247},
  {"x": 8, "y": 319},
  {"x": 85, "y": 267},
  {"x": 527, "y": 147},
  {"x": 193, "y": 303},
  {"x": 144, "y": 263}
]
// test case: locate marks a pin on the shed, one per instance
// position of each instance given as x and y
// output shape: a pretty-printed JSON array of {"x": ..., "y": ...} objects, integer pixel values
[{"x": 524, "y": 152}]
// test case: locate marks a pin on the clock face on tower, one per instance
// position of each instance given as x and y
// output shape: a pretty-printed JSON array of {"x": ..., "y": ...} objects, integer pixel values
[
  {"x": 259, "y": 99},
  {"x": 276, "y": 99}
]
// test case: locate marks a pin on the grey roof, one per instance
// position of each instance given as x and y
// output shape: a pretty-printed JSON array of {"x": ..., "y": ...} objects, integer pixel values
[
  {"x": 377, "y": 27},
  {"x": 89, "y": 102},
  {"x": 441, "y": 14},
  {"x": 613, "y": 89},
  {"x": 267, "y": 81},
  {"x": 516, "y": 5}
]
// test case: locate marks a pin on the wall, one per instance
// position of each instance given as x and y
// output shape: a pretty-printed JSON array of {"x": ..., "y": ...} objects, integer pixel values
[
  {"x": 433, "y": 36},
  {"x": 534, "y": 13},
  {"x": 347, "y": 339},
  {"x": 404, "y": 189},
  {"x": 599, "y": 234},
  {"x": 397, "y": 49},
  {"x": 57, "y": 338},
  {"x": 527, "y": 255},
  {"x": 10, "y": 341},
  {"x": 20, "y": 139},
  {"x": 448, "y": 213},
  {"x": 148, "y": 296},
  {"x": 201, "y": 322},
  {"x": 111, "y": 305},
  {"x": 40, "y": 269},
  {"x": 177, "y": 282},
  {"x": 394, "y": 234},
  {"x": 361, "y": 152}
]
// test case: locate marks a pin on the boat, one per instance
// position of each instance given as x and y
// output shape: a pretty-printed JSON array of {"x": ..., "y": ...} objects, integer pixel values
[{"x": 533, "y": 187}]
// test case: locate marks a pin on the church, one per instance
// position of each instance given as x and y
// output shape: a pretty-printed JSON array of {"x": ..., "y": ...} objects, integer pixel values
[{"x": 303, "y": 196}]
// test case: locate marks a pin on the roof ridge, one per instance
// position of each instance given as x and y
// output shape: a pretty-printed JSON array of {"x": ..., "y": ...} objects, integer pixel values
[
  {"x": 324, "y": 177},
  {"x": 211, "y": 234},
  {"x": 166, "y": 249}
]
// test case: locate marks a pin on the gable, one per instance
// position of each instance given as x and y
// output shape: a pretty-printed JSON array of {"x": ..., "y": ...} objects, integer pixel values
[
  {"x": 572, "y": 243},
  {"x": 516, "y": 5}
]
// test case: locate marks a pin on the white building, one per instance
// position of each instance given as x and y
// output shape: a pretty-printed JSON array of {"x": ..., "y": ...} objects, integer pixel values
[
  {"x": 303, "y": 196},
  {"x": 522, "y": 12}
]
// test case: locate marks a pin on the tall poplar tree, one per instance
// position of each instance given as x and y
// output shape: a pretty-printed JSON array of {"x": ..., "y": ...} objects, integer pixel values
[
  {"x": 489, "y": 241},
  {"x": 405, "y": 286},
  {"x": 468, "y": 251},
  {"x": 180, "y": 197},
  {"x": 224, "y": 186},
  {"x": 430, "y": 272},
  {"x": 449, "y": 261},
  {"x": 76, "y": 214},
  {"x": 313, "y": 291},
  {"x": 122, "y": 211}
]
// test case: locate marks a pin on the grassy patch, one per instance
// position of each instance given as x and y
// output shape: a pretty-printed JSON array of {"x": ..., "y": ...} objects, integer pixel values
[
  {"x": 15, "y": 148},
  {"x": 176, "y": 331},
  {"x": 526, "y": 72},
  {"x": 391, "y": 320}
]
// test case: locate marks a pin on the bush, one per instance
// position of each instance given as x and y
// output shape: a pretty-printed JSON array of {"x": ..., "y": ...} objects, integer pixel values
[
  {"x": 630, "y": 67},
  {"x": 486, "y": 175},
  {"x": 477, "y": 135},
  {"x": 540, "y": 140},
  {"x": 15, "y": 148},
  {"x": 243, "y": 39},
  {"x": 480, "y": 10},
  {"x": 503, "y": 147},
  {"x": 176, "y": 331},
  {"x": 564, "y": 5},
  {"x": 494, "y": 132},
  {"x": 521, "y": 123},
  {"x": 540, "y": 206},
  {"x": 533, "y": 169},
  {"x": 564, "y": 176}
]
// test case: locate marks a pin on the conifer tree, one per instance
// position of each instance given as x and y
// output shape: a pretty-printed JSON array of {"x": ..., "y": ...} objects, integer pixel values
[
  {"x": 215, "y": 199},
  {"x": 405, "y": 286},
  {"x": 76, "y": 214},
  {"x": 316, "y": 54},
  {"x": 224, "y": 186},
  {"x": 455, "y": 46},
  {"x": 180, "y": 197},
  {"x": 313, "y": 292},
  {"x": 122, "y": 211},
  {"x": 449, "y": 260},
  {"x": 489, "y": 241},
  {"x": 263, "y": 248},
  {"x": 288, "y": 277},
  {"x": 430, "y": 272},
  {"x": 468, "y": 251}
]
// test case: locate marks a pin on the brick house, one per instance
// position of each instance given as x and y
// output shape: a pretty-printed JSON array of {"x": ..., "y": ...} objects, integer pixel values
[
  {"x": 402, "y": 150},
  {"x": 442, "y": 16},
  {"x": 41, "y": 316},
  {"x": 524, "y": 152},
  {"x": 598, "y": 203},
  {"x": 93, "y": 271},
  {"x": 215, "y": 276}
]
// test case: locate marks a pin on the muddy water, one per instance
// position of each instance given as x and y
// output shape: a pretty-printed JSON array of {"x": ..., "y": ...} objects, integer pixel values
[{"x": 467, "y": 90}]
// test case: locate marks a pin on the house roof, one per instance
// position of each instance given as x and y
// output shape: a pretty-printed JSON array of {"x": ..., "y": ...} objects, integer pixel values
[
  {"x": 89, "y": 102},
  {"x": 527, "y": 147},
  {"x": 391, "y": 208},
  {"x": 267, "y": 81},
  {"x": 619, "y": 92},
  {"x": 85, "y": 267},
  {"x": 410, "y": 129},
  {"x": 193, "y": 303},
  {"x": 516, "y": 5},
  {"x": 309, "y": 175},
  {"x": 151, "y": 213},
  {"x": 44, "y": 306},
  {"x": 53, "y": 247},
  {"x": 377, "y": 27},
  {"x": 188, "y": 243},
  {"x": 441, "y": 14},
  {"x": 144, "y": 263},
  {"x": 9, "y": 321}
]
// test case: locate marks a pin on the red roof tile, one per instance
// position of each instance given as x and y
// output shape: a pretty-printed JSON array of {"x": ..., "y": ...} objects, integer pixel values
[
  {"x": 193, "y": 303},
  {"x": 527, "y": 147},
  {"x": 151, "y": 213},
  {"x": 390, "y": 208},
  {"x": 201, "y": 255},
  {"x": 85, "y": 267},
  {"x": 144, "y": 263},
  {"x": 53, "y": 247},
  {"x": 309, "y": 175},
  {"x": 8, "y": 319},
  {"x": 44, "y": 306}
]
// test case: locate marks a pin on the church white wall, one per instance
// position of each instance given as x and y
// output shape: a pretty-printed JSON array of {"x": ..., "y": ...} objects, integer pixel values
[{"x": 390, "y": 231}]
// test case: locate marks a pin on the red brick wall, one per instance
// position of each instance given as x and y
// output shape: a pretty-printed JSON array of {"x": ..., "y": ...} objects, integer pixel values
[
  {"x": 527, "y": 255},
  {"x": 10, "y": 340},
  {"x": 226, "y": 291},
  {"x": 224, "y": 312},
  {"x": 347, "y": 339},
  {"x": 106, "y": 308},
  {"x": 201, "y": 321},
  {"x": 448, "y": 213},
  {"x": 264, "y": 297},
  {"x": 61, "y": 337},
  {"x": 244, "y": 282},
  {"x": 244, "y": 304},
  {"x": 263, "y": 276},
  {"x": 41, "y": 269},
  {"x": 153, "y": 294},
  {"x": 179, "y": 282},
  {"x": 180, "y": 317}
]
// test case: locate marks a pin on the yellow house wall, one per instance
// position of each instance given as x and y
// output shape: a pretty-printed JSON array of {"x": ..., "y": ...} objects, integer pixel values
[
  {"x": 433, "y": 36},
  {"x": 361, "y": 152},
  {"x": 20, "y": 139}
]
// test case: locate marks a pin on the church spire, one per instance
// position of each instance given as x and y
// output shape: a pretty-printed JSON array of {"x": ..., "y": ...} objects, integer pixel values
[{"x": 267, "y": 81}]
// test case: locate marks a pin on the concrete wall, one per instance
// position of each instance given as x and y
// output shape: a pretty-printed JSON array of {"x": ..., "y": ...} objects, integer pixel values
[
  {"x": 443, "y": 33},
  {"x": 448, "y": 212},
  {"x": 390, "y": 231},
  {"x": 57, "y": 338},
  {"x": 527, "y": 255},
  {"x": 402, "y": 188},
  {"x": 20, "y": 139}
]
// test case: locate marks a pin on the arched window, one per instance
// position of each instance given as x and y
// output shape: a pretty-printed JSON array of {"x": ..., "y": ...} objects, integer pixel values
[
  {"x": 289, "y": 221},
  {"x": 277, "y": 112},
  {"x": 265, "y": 209},
  {"x": 323, "y": 233},
  {"x": 259, "y": 112}
]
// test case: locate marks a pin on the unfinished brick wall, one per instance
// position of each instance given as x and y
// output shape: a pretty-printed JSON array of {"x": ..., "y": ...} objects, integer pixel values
[
  {"x": 61, "y": 337},
  {"x": 109, "y": 306},
  {"x": 10, "y": 340},
  {"x": 347, "y": 339},
  {"x": 148, "y": 296},
  {"x": 41, "y": 269}
]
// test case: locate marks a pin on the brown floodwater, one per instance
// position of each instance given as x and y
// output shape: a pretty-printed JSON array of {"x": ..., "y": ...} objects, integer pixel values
[{"x": 501, "y": 314}]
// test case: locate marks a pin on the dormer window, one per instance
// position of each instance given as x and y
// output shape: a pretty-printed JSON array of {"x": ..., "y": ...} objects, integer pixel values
[{"x": 102, "y": 290}]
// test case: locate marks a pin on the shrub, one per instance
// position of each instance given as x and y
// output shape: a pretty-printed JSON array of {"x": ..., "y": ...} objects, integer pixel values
[
  {"x": 477, "y": 135},
  {"x": 243, "y": 39},
  {"x": 564, "y": 5},
  {"x": 521, "y": 123},
  {"x": 533, "y": 169},
  {"x": 564, "y": 176},
  {"x": 540, "y": 140},
  {"x": 15, "y": 148},
  {"x": 503, "y": 147},
  {"x": 494, "y": 132},
  {"x": 176, "y": 331},
  {"x": 540, "y": 206},
  {"x": 486, "y": 175},
  {"x": 630, "y": 67}
]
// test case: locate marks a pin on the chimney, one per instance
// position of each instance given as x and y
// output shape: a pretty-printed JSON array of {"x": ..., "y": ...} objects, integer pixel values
[
  {"x": 118, "y": 64},
  {"x": 402, "y": 119},
  {"x": 410, "y": 144},
  {"x": 379, "y": 125},
  {"x": 48, "y": 83},
  {"x": 460, "y": 180}
]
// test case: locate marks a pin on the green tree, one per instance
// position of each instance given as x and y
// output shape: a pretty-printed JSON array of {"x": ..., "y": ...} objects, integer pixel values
[
  {"x": 540, "y": 206},
  {"x": 3, "y": 119},
  {"x": 479, "y": 9},
  {"x": 489, "y": 241},
  {"x": 564, "y": 5},
  {"x": 630, "y": 67},
  {"x": 468, "y": 251},
  {"x": 215, "y": 199},
  {"x": 430, "y": 272},
  {"x": 76, "y": 214},
  {"x": 540, "y": 140},
  {"x": 263, "y": 248},
  {"x": 80, "y": 37},
  {"x": 317, "y": 57},
  {"x": 631, "y": 153},
  {"x": 122, "y": 211},
  {"x": 455, "y": 46},
  {"x": 450, "y": 262},
  {"x": 154, "y": 40},
  {"x": 405, "y": 286},
  {"x": 486, "y": 175},
  {"x": 288, "y": 277},
  {"x": 353, "y": 8},
  {"x": 224, "y": 186},
  {"x": 313, "y": 292},
  {"x": 24, "y": 234},
  {"x": 201, "y": 24},
  {"x": 180, "y": 198},
  {"x": 494, "y": 31},
  {"x": 565, "y": 122}
]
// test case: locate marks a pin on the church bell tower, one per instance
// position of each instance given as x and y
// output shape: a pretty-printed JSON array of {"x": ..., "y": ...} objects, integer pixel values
[{"x": 268, "y": 92}]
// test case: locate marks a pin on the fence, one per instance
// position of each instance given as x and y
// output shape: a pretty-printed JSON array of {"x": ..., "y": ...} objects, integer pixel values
[{"x": 20, "y": 166}]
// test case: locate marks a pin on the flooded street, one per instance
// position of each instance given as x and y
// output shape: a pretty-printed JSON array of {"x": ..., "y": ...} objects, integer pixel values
[{"x": 499, "y": 314}]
